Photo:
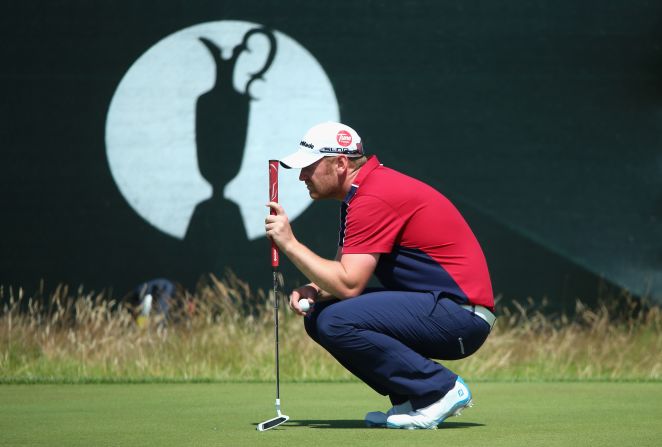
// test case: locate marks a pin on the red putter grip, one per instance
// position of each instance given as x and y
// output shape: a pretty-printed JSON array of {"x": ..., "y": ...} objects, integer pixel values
[{"x": 273, "y": 197}]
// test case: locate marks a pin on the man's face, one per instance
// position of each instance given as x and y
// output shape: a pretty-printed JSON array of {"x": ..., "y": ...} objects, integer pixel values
[{"x": 321, "y": 179}]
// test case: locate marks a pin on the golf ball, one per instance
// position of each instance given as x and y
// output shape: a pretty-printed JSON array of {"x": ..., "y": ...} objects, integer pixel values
[{"x": 304, "y": 305}]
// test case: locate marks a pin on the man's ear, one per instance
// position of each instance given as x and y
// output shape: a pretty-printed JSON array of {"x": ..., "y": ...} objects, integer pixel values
[{"x": 342, "y": 164}]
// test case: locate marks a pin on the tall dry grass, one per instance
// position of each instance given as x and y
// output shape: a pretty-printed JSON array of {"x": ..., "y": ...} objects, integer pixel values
[
  {"x": 229, "y": 335},
  {"x": 614, "y": 340}
]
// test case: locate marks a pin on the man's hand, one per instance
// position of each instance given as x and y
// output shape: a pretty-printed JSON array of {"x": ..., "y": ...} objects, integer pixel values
[
  {"x": 344, "y": 277},
  {"x": 305, "y": 292},
  {"x": 278, "y": 227}
]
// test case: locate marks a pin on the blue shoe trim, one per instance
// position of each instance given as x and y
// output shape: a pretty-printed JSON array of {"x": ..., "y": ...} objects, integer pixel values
[{"x": 459, "y": 379}]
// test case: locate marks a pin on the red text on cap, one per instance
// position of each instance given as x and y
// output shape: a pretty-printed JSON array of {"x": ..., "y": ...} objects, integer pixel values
[{"x": 344, "y": 138}]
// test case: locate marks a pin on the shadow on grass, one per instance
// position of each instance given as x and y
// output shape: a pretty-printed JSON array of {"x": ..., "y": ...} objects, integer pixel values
[{"x": 354, "y": 423}]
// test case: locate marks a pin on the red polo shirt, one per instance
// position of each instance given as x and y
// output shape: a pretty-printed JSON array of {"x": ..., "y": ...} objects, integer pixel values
[{"x": 424, "y": 242}]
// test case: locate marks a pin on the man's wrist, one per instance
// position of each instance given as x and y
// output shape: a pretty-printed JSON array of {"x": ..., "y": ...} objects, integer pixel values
[
  {"x": 317, "y": 290},
  {"x": 289, "y": 248}
]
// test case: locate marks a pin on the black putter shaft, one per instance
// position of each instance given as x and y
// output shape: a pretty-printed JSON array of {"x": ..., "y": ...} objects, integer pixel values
[{"x": 276, "y": 335}]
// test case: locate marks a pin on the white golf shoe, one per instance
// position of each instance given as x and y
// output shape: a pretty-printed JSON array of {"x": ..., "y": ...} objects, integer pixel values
[
  {"x": 378, "y": 418},
  {"x": 429, "y": 417}
]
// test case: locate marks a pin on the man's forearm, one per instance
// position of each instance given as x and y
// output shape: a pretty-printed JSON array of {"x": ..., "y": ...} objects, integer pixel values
[{"x": 329, "y": 276}]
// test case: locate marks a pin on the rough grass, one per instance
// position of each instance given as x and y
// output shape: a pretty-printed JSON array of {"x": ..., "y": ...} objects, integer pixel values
[{"x": 228, "y": 336}]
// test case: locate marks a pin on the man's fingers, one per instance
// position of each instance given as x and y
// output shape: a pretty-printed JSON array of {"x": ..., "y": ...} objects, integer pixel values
[
  {"x": 294, "y": 296},
  {"x": 271, "y": 219},
  {"x": 276, "y": 207},
  {"x": 294, "y": 303}
]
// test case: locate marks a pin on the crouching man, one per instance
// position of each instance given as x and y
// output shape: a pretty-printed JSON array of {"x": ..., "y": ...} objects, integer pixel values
[{"x": 436, "y": 301}]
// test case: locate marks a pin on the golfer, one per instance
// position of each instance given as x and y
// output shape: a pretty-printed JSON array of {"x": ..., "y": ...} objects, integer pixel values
[{"x": 436, "y": 301}]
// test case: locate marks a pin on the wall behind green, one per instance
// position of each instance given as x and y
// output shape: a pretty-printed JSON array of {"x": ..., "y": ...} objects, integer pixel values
[{"x": 541, "y": 120}]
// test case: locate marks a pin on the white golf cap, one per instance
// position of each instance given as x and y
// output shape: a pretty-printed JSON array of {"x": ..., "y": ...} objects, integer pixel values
[{"x": 325, "y": 140}]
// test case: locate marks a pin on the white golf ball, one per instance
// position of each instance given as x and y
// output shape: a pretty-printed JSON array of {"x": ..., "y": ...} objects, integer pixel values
[{"x": 304, "y": 305}]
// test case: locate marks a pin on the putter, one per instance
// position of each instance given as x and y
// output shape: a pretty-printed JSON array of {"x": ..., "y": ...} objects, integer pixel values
[{"x": 273, "y": 197}]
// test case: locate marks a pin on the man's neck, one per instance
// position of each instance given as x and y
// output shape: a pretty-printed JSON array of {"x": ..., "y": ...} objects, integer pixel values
[{"x": 348, "y": 181}]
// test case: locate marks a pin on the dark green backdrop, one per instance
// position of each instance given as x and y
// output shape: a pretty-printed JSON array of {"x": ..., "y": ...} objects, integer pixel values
[{"x": 541, "y": 120}]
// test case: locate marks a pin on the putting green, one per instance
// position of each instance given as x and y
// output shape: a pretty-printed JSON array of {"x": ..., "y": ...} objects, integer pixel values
[{"x": 225, "y": 414}]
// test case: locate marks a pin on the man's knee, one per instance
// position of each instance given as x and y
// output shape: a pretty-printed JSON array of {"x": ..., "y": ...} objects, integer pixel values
[{"x": 332, "y": 326}]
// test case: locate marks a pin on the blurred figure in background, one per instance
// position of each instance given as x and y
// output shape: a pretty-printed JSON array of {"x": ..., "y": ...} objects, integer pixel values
[{"x": 156, "y": 298}]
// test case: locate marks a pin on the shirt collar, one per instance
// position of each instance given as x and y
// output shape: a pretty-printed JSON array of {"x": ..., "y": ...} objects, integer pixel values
[{"x": 369, "y": 166}]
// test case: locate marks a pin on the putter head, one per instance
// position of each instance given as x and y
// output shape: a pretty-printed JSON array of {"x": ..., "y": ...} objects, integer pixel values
[{"x": 271, "y": 423}]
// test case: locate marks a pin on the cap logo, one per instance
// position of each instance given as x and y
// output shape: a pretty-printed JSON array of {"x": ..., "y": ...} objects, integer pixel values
[
  {"x": 308, "y": 145},
  {"x": 344, "y": 138}
]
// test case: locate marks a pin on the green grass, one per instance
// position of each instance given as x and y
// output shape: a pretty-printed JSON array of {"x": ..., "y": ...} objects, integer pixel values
[{"x": 225, "y": 414}]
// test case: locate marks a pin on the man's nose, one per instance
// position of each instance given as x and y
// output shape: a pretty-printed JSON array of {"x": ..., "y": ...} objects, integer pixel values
[{"x": 302, "y": 176}]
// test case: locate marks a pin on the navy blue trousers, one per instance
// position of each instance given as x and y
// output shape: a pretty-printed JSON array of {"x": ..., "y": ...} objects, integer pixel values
[{"x": 388, "y": 338}]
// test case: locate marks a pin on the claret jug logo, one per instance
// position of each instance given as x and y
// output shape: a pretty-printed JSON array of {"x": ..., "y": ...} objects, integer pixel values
[{"x": 195, "y": 119}]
